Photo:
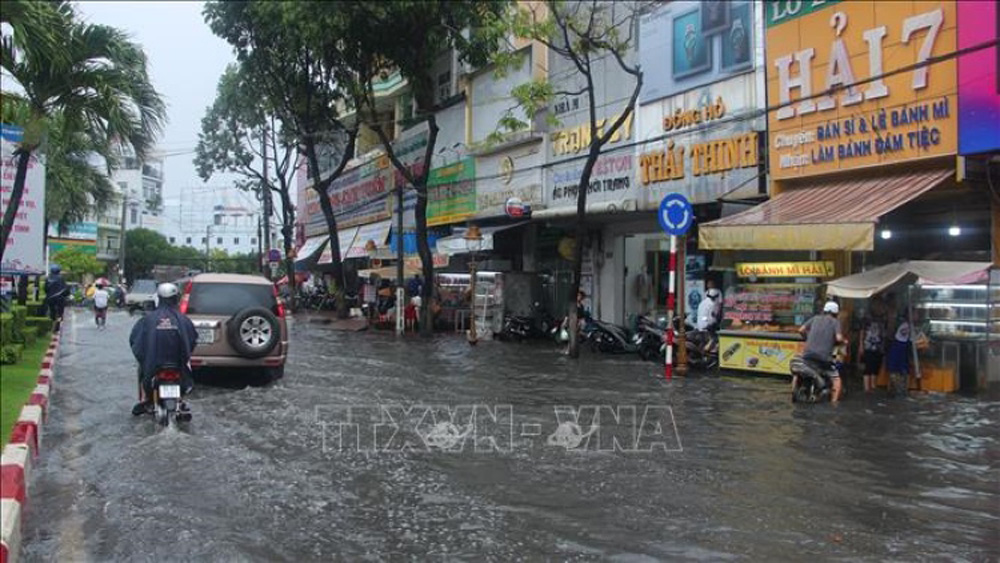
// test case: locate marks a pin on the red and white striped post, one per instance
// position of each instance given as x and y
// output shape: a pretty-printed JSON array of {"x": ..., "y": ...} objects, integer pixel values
[{"x": 668, "y": 368}]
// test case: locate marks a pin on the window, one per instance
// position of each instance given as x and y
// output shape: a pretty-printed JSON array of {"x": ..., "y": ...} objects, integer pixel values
[
  {"x": 229, "y": 298},
  {"x": 444, "y": 86},
  {"x": 218, "y": 240},
  {"x": 172, "y": 240},
  {"x": 204, "y": 240},
  {"x": 189, "y": 240},
  {"x": 253, "y": 240},
  {"x": 135, "y": 215}
]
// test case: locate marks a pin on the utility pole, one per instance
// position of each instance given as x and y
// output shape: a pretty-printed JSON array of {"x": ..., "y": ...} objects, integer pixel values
[
  {"x": 260, "y": 247},
  {"x": 265, "y": 191},
  {"x": 208, "y": 248},
  {"x": 121, "y": 244}
]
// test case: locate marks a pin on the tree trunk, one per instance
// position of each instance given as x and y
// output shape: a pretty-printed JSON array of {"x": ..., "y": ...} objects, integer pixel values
[
  {"x": 581, "y": 234},
  {"x": 423, "y": 246},
  {"x": 331, "y": 226},
  {"x": 23, "y": 157}
]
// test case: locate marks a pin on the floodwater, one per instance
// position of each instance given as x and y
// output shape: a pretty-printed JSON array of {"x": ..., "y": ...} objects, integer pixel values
[{"x": 539, "y": 458}]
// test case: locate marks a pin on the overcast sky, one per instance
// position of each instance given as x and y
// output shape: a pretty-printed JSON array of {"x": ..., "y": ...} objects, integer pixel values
[{"x": 186, "y": 60}]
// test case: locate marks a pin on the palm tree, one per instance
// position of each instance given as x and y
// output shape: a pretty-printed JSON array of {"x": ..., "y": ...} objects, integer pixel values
[
  {"x": 75, "y": 186},
  {"x": 94, "y": 82}
]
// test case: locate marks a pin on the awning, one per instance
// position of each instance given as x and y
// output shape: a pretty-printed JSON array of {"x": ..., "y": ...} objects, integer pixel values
[
  {"x": 455, "y": 244},
  {"x": 377, "y": 232},
  {"x": 310, "y": 250},
  {"x": 346, "y": 237},
  {"x": 866, "y": 284},
  {"x": 837, "y": 214}
]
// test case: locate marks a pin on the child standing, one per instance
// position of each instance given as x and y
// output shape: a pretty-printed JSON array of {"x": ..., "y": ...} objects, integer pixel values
[{"x": 101, "y": 300}]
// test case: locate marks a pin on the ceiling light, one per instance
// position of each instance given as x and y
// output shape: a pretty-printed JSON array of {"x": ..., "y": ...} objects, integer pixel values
[
  {"x": 954, "y": 230},
  {"x": 886, "y": 234}
]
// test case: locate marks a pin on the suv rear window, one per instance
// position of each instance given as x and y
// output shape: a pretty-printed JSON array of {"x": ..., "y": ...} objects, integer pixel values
[
  {"x": 144, "y": 286},
  {"x": 229, "y": 298}
]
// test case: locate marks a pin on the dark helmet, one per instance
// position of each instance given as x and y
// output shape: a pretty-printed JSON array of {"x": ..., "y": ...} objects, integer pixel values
[{"x": 55, "y": 269}]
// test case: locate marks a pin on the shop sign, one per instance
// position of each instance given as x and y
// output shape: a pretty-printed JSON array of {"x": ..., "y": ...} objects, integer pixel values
[
  {"x": 517, "y": 209},
  {"x": 515, "y": 174},
  {"x": 978, "y": 83},
  {"x": 414, "y": 263},
  {"x": 84, "y": 246},
  {"x": 451, "y": 193},
  {"x": 712, "y": 157},
  {"x": 687, "y": 44},
  {"x": 610, "y": 180},
  {"x": 821, "y": 269},
  {"x": 682, "y": 118},
  {"x": 25, "y": 245},
  {"x": 574, "y": 139},
  {"x": 86, "y": 230},
  {"x": 837, "y": 44},
  {"x": 758, "y": 354}
]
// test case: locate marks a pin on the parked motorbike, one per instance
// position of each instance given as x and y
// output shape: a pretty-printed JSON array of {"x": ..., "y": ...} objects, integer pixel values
[
  {"x": 814, "y": 381},
  {"x": 167, "y": 404},
  {"x": 608, "y": 338},
  {"x": 523, "y": 327},
  {"x": 702, "y": 348},
  {"x": 649, "y": 339}
]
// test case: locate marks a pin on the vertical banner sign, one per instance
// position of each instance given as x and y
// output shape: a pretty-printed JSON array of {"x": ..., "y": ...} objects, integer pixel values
[
  {"x": 814, "y": 47},
  {"x": 24, "y": 253}
]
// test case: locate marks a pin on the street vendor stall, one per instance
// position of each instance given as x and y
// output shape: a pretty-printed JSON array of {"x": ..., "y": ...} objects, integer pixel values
[
  {"x": 762, "y": 314},
  {"x": 955, "y": 308}
]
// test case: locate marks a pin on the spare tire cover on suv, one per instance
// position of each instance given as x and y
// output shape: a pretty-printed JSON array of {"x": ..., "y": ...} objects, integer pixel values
[{"x": 253, "y": 332}]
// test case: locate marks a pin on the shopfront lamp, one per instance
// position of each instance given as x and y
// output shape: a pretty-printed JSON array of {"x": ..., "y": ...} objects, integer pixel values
[
  {"x": 954, "y": 230},
  {"x": 886, "y": 234}
]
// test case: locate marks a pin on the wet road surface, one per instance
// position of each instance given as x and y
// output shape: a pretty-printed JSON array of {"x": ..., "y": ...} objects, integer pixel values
[{"x": 710, "y": 468}]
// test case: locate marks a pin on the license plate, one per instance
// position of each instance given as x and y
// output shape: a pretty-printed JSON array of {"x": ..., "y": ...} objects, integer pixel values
[
  {"x": 170, "y": 391},
  {"x": 206, "y": 335}
]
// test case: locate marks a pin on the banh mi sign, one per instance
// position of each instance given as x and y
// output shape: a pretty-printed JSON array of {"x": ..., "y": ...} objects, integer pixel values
[{"x": 820, "y": 269}]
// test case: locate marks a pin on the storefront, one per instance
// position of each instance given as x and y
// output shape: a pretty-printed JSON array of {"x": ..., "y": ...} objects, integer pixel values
[
  {"x": 701, "y": 134},
  {"x": 862, "y": 178}
]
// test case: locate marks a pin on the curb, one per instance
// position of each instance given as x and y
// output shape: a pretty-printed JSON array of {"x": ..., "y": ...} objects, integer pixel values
[{"x": 19, "y": 454}]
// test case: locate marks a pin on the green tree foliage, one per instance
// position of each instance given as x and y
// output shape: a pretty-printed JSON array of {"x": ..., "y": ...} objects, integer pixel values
[
  {"x": 91, "y": 78},
  {"x": 144, "y": 249},
  {"x": 294, "y": 80},
  {"x": 368, "y": 39},
  {"x": 74, "y": 187},
  {"x": 241, "y": 134},
  {"x": 580, "y": 33},
  {"x": 76, "y": 263}
]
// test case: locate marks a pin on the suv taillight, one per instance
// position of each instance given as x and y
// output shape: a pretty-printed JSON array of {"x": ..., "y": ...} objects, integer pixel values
[
  {"x": 279, "y": 306},
  {"x": 185, "y": 298}
]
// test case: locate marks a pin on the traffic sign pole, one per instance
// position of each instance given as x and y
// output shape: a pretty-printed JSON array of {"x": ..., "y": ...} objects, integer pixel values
[
  {"x": 676, "y": 217},
  {"x": 668, "y": 368}
]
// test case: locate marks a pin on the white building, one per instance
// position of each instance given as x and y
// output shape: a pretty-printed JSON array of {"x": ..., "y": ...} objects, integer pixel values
[{"x": 216, "y": 219}]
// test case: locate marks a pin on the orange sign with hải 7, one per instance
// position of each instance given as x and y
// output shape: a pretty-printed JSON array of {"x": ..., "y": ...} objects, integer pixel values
[{"x": 886, "y": 119}]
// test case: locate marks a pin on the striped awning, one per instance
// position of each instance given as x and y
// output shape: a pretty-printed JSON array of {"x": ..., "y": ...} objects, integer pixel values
[{"x": 837, "y": 214}]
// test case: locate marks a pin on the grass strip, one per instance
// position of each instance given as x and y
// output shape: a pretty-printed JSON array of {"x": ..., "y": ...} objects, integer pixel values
[{"x": 17, "y": 381}]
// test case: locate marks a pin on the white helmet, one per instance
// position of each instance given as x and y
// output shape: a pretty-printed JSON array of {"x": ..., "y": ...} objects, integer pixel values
[
  {"x": 831, "y": 307},
  {"x": 713, "y": 293},
  {"x": 167, "y": 291}
]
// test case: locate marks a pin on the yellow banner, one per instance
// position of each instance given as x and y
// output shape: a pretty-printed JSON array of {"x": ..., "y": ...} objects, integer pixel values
[
  {"x": 846, "y": 236},
  {"x": 824, "y": 269},
  {"x": 758, "y": 354}
]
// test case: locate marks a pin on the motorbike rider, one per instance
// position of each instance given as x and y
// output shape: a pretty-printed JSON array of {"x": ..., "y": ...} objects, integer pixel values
[
  {"x": 56, "y": 292},
  {"x": 822, "y": 334},
  {"x": 164, "y": 336},
  {"x": 707, "y": 320}
]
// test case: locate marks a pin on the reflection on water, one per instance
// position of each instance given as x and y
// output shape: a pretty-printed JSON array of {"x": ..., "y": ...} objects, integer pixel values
[{"x": 757, "y": 478}]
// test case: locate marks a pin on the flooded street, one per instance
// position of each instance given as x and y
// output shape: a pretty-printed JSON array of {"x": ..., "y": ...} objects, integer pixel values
[{"x": 529, "y": 463}]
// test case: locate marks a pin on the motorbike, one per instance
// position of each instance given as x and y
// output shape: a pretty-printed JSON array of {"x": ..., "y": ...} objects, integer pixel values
[
  {"x": 649, "y": 339},
  {"x": 522, "y": 327},
  {"x": 608, "y": 338},
  {"x": 167, "y": 402},
  {"x": 814, "y": 381},
  {"x": 702, "y": 348}
]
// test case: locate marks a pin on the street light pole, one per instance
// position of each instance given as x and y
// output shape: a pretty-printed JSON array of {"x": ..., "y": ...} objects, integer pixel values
[
  {"x": 400, "y": 290},
  {"x": 121, "y": 245},
  {"x": 208, "y": 248}
]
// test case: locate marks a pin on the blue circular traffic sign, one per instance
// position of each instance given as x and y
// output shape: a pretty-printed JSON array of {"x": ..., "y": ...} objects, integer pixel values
[{"x": 676, "y": 215}]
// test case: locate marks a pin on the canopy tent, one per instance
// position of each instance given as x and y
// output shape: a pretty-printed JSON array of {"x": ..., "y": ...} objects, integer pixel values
[
  {"x": 300, "y": 277},
  {"x": 346, "y": 237},
  {"x": 832, "y": 214},
  {"x": 866, "y": 284},
  {"x": 309, "y": 251},
  {"x": 456, "y": 244},
  {"x": 375, "y": 232}
]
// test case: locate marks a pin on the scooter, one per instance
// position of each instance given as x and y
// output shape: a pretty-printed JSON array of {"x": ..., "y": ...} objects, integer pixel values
[
  {"x": 815, "y": 380},
  {"x": 167, "y": 404},
  {"x": 649, "y": 339},
  {"x": 521, "y": 327},
  {"x": 609, "y": 338}
]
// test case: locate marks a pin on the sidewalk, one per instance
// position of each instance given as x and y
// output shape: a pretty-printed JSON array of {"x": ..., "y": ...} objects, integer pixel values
[{"x": 329, "y": 318}]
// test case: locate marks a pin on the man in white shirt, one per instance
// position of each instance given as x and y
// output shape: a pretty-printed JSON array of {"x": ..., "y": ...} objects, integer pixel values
[
  {"x": 101, "y": 300},
  {"x": 706, "y": 310}
]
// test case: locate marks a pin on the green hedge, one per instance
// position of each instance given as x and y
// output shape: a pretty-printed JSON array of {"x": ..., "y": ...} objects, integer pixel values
[
  {"x": 43, "y": 324},
  {"x": 29, "y": 335},
  {"x": 20, "y": 314},
  {"x": 11, "y": 353},
  {"x": 6, "y": 328},
  {"x": 35, "y": 308}
]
